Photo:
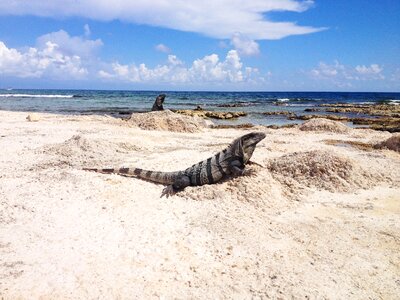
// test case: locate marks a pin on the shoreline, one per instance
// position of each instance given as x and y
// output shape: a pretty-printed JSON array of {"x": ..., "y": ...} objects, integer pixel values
[
  {"x": 375, "y": 116},
  {"x": 319, "y": 218},
  {"x": 123, "y": 103}
]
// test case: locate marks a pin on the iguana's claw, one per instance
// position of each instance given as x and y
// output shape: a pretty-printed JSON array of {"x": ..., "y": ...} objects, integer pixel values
[
  {"x": 249, "y": 172},
  {"x": 168, "y": 191}
]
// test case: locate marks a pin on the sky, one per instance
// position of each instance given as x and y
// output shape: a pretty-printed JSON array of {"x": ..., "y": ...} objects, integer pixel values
[{"x": 226, "y": 45}]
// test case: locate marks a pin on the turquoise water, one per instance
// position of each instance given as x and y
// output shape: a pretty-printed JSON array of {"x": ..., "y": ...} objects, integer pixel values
[{"x": 122, "y": 103}]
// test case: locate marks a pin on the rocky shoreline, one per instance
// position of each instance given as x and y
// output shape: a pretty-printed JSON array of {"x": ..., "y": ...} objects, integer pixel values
[
  {"x": 383, "y": 117},
  {"x": 221, "y": 115}
]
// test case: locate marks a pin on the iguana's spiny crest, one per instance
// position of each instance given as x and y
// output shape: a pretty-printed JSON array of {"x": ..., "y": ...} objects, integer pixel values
[{"x": 230, "y": 160}]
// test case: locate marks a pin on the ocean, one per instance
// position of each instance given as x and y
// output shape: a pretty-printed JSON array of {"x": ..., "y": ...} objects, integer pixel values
[{"x": 122, "y": 103}]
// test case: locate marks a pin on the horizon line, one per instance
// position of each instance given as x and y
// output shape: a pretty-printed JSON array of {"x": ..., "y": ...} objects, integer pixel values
[{"x": 199, "y": 91}]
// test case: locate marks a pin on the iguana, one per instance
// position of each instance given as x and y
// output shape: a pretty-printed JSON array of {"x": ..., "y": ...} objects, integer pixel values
[
  {"x": 231, "y": 160},
  {"x": 158, "y": 104}
]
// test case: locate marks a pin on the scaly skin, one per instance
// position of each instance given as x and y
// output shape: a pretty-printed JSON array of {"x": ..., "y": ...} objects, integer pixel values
[{"x": 231, "y": 160}]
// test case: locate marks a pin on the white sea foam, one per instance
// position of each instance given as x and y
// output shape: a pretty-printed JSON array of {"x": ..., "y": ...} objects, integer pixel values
[
  {"x": 283, "y": 99},
  {"x": 301, "y": 105},
  {"x": 35, "y": 96},
  {"x": 395, "y": 101}
]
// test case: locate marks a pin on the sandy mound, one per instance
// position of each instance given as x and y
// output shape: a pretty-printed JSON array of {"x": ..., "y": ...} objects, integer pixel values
[
  {"x": 392, "y": 143},
  {"x": 79, "y": 151},
  {"x": 256, "y": 187},
  {"x": 320, "y": 124},
  {"x": 321, "y": 170},
  {"x": 168, "y": 121}
]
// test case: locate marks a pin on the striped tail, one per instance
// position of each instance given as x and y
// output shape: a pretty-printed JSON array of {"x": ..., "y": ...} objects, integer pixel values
[{"x": 154, "y": 176}]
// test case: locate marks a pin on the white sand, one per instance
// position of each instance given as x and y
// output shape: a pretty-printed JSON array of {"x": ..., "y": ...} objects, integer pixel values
[{"x": 68, "y": 234}]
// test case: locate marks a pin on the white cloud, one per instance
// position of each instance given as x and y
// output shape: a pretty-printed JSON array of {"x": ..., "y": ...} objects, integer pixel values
[
  {"x": 374, "y": 71},
  {"x": 87, "y": 30},
  {"x": 208, "y": 69},
  {"x": 341, "y": 74},
  {"x": 174, "y": 61},
  {"x": 218, "y": 19},
  {"x": 162, "y": 48},
  {"x": 327, "y": 71},
  {"x": 244, "y": 45},
  {"x": 71, "y": 45},
  {"x": 40, "y": 62},
  {"x": 56, "y": 55}
]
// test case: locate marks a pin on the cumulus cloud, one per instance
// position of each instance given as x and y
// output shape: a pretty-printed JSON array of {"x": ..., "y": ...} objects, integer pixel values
[
  {"x": 374, "y": 71},
  {"x": 328, "y": 71},
  {"x": 209, "y": 69},
  {"x": 245, "y": 45},
  {"x": 55, "y": 55},
  {"x": 339, "y": 72},
  {"x": 218, "y": 19},
  {"x": 162, "y": 48},
  {"x": 58, "y": 55},
  {"x": 71, "y": 45},
  {"x": 40, "y": 62}
]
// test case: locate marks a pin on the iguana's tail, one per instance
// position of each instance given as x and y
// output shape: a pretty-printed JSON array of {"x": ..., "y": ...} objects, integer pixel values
[{"x": 154, "y": 176}]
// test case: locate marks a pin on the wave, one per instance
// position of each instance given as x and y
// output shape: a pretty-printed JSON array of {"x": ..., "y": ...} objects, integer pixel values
[
  {"x": 367, "y": 102},
  {"x": 297, "y": 99},
  {"x": 36, "y": 96}
]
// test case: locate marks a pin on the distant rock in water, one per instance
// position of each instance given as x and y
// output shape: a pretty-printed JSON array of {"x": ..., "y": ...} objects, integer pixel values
[
  {"x": 312, "y": 110},
  {"x": 168, "y": 121},
  {"x": 324, "y": 125},
  {"x": 386, "y": 110},
  {"x": 278, "y": 113},
  {"x": 330, "y": 117},
  {"x": 237, "y": 104},
  {"x": 235, "y": 126},
  {"x": 223, "y": 115},
  {"x": 158, "y": 104}
]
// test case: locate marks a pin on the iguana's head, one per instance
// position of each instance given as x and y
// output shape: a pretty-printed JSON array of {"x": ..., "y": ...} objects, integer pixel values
[
  {"x": 160, "y": 99},
  {"x": 245, "y": 145}
]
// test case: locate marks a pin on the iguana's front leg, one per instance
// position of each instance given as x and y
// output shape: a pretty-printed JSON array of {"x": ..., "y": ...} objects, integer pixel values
[
  {"x": 236, "y": 167},
  {"x": 179, "y": 184}
]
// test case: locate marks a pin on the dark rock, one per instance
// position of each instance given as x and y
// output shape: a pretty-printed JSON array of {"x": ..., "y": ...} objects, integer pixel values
[
  {"x": 275, "y": 113},
  {"x": 329, "y": 117},
  {"x": 281, "y": 126},
  {"x": 391, "y": 124},
  {"x": 237, "y": 126},
  {"x": 158, "y": 104},
  {"x": 211, "y": 114},
  {"x": 386, "y": 110},
  {"x": 236, "y": 104}
]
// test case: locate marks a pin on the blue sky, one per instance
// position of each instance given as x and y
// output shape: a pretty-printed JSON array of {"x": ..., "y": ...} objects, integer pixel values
[{"x": 267, "y": 45}]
